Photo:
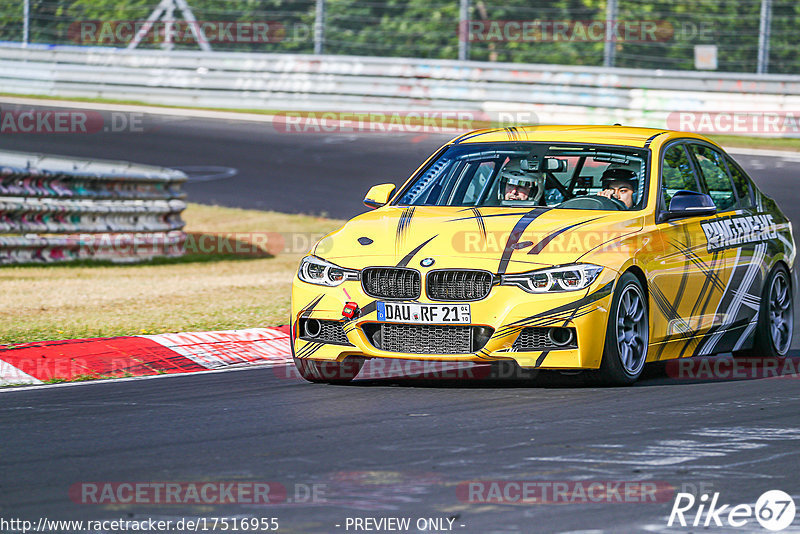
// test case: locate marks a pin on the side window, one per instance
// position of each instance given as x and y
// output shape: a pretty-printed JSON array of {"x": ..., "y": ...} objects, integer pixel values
[
  {"x": 741, "y": 183},
  {"x": 676, "y": 174},
  {"x": 714, "y": 174},
  {"x": 478, "y": 182}
]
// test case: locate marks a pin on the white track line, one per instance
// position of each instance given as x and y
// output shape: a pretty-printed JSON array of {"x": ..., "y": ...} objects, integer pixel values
[{"x": 40, "y": 387}]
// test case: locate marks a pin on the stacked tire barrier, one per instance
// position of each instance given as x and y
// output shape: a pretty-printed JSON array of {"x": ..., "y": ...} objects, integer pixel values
[{"x": 55, "y": 209}]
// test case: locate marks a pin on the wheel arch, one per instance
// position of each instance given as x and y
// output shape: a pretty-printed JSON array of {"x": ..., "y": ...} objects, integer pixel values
[
  {"x": 782, "y": 263},
  {"x": 639, "y": 273},
  {"x": 779, "y": 262}
]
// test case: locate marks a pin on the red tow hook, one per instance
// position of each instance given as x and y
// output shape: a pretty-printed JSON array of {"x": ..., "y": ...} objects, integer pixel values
[{"x": 350, "y": 310}]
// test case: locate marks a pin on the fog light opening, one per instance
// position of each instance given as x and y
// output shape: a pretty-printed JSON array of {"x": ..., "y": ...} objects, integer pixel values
[
  {"x": 560, "y": 336},
  {"x": 481, "y": 336},
  {"x": 312, "y": 328}
]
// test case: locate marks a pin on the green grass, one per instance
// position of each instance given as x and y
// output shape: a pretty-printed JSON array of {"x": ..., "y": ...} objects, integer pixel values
[
  {"x": 203, "y": 291},
  {"x": 143, "y": 103},
  {"x": 771, "y": 143}
]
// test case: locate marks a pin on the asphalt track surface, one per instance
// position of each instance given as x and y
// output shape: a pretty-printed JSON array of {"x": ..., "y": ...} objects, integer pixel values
[{"x": 380, "y": 448}]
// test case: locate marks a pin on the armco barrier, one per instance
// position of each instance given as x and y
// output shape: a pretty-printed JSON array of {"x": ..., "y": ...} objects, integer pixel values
[
  {"x": 60, "y": 209},
  {"x": 554, "y": 93}
]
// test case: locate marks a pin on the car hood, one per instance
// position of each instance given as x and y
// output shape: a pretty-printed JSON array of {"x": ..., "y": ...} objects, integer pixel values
[{"x": 495, "y": 239}]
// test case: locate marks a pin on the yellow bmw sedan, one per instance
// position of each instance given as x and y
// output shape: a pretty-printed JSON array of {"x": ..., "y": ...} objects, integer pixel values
[{"x": 595, "y": 248}]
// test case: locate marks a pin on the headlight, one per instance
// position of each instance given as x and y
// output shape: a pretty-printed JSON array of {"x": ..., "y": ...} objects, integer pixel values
[
  {"x": 564, "y": 278},
  {"x": 323, "y": 273}
]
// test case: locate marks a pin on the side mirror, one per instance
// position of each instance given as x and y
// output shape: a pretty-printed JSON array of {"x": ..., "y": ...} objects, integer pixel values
[
  {"x": 379, "y": 195},
  {"x": 688, "y": 204}
]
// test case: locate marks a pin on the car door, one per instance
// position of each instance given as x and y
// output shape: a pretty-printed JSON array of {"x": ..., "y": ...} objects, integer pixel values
[
  {"x": 732, "y": 232},
  {"x": 690, "y": 279}
]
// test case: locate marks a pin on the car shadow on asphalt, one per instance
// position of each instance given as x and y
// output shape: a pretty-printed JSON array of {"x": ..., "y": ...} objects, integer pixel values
[{"x": 682, "y": 372}]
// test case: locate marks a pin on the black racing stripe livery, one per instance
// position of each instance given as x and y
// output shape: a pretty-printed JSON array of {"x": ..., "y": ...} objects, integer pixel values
[
  {"x": 305, "y": 312},
  {"x": 468, "y": 136},
  {"x": 309, "y": 349},
  {"x": 512, "y": 133},
  {"x": 544, "y": 322},
  {"x": 544, "y": 242},
  {"x": 744, "y": 314},
  {"x": 365, "y": 310},
  {"x": 667, "y": 310},
  {"x": 484, "y": 354},
  {"x": 516, "y": 233},
  {"x": 672, "y": 307},
  {"x": 404, "y": 222},
  {"x": 686, "y": 270},
  {"x": 652, "y": 138},
  {"x": 369, "y": 308},
  {"x": 712, "y": 276},
  {"x": 711, "y": 294},
  {"x": 712, "y": 330},
  {"x": 349, "y": 327},
  {"x": 663, "y": 303},
  {"x": 586, "y": 300},
  {"x": 540, "y": 359},
  {"x": 715, "y": 258},
  {"x": 548, "y": 321},
  {"x": 481, "y": 222},
  {"x": 484, "y": 216},
  {"x": 407, "y": 258}
]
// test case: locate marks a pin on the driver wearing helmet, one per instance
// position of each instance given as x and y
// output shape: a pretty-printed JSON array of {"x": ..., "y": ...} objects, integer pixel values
[
  {"x": 518, "y": 183},
  {"x": 620, "y": 184}
]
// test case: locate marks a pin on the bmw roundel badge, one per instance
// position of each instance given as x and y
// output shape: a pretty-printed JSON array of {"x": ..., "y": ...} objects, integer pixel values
[{"x": 427, "y": 262}]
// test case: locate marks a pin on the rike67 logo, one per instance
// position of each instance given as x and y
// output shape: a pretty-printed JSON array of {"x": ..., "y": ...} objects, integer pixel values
[{"x": 774, "y": 510}]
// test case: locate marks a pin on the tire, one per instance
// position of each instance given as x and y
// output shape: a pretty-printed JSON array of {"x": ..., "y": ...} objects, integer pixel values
[
  {"x": 773, "y": 335},
  {"x": 627, "y": 334},
  {"x": 329, "y": 372}
]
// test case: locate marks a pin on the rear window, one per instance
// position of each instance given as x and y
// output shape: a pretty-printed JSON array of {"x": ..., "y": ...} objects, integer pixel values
[
  {"x": 741, "y": 183},
  {"x": 714, "y": 173}
]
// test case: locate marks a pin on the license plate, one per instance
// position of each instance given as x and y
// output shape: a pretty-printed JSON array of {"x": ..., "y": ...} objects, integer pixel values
[{"x": 399, "y": 312}]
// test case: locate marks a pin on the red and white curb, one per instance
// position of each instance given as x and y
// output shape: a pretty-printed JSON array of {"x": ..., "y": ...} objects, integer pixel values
[{"x": 34, "y": 363}]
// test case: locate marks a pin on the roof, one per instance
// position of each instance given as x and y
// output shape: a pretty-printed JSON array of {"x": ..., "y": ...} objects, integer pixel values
[{"x": 613, "y": 135}]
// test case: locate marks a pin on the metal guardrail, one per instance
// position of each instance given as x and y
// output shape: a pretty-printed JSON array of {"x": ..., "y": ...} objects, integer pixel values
[
  {"x": 281, "y": 81},
  {"x": 59, "y": 209}
]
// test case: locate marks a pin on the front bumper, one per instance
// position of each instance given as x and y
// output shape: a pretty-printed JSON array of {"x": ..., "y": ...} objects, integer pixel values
[{"x": 507, "y": 310}]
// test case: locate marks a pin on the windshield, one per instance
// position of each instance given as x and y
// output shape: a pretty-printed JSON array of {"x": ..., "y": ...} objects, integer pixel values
[{"x": 579, "y": 176}]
